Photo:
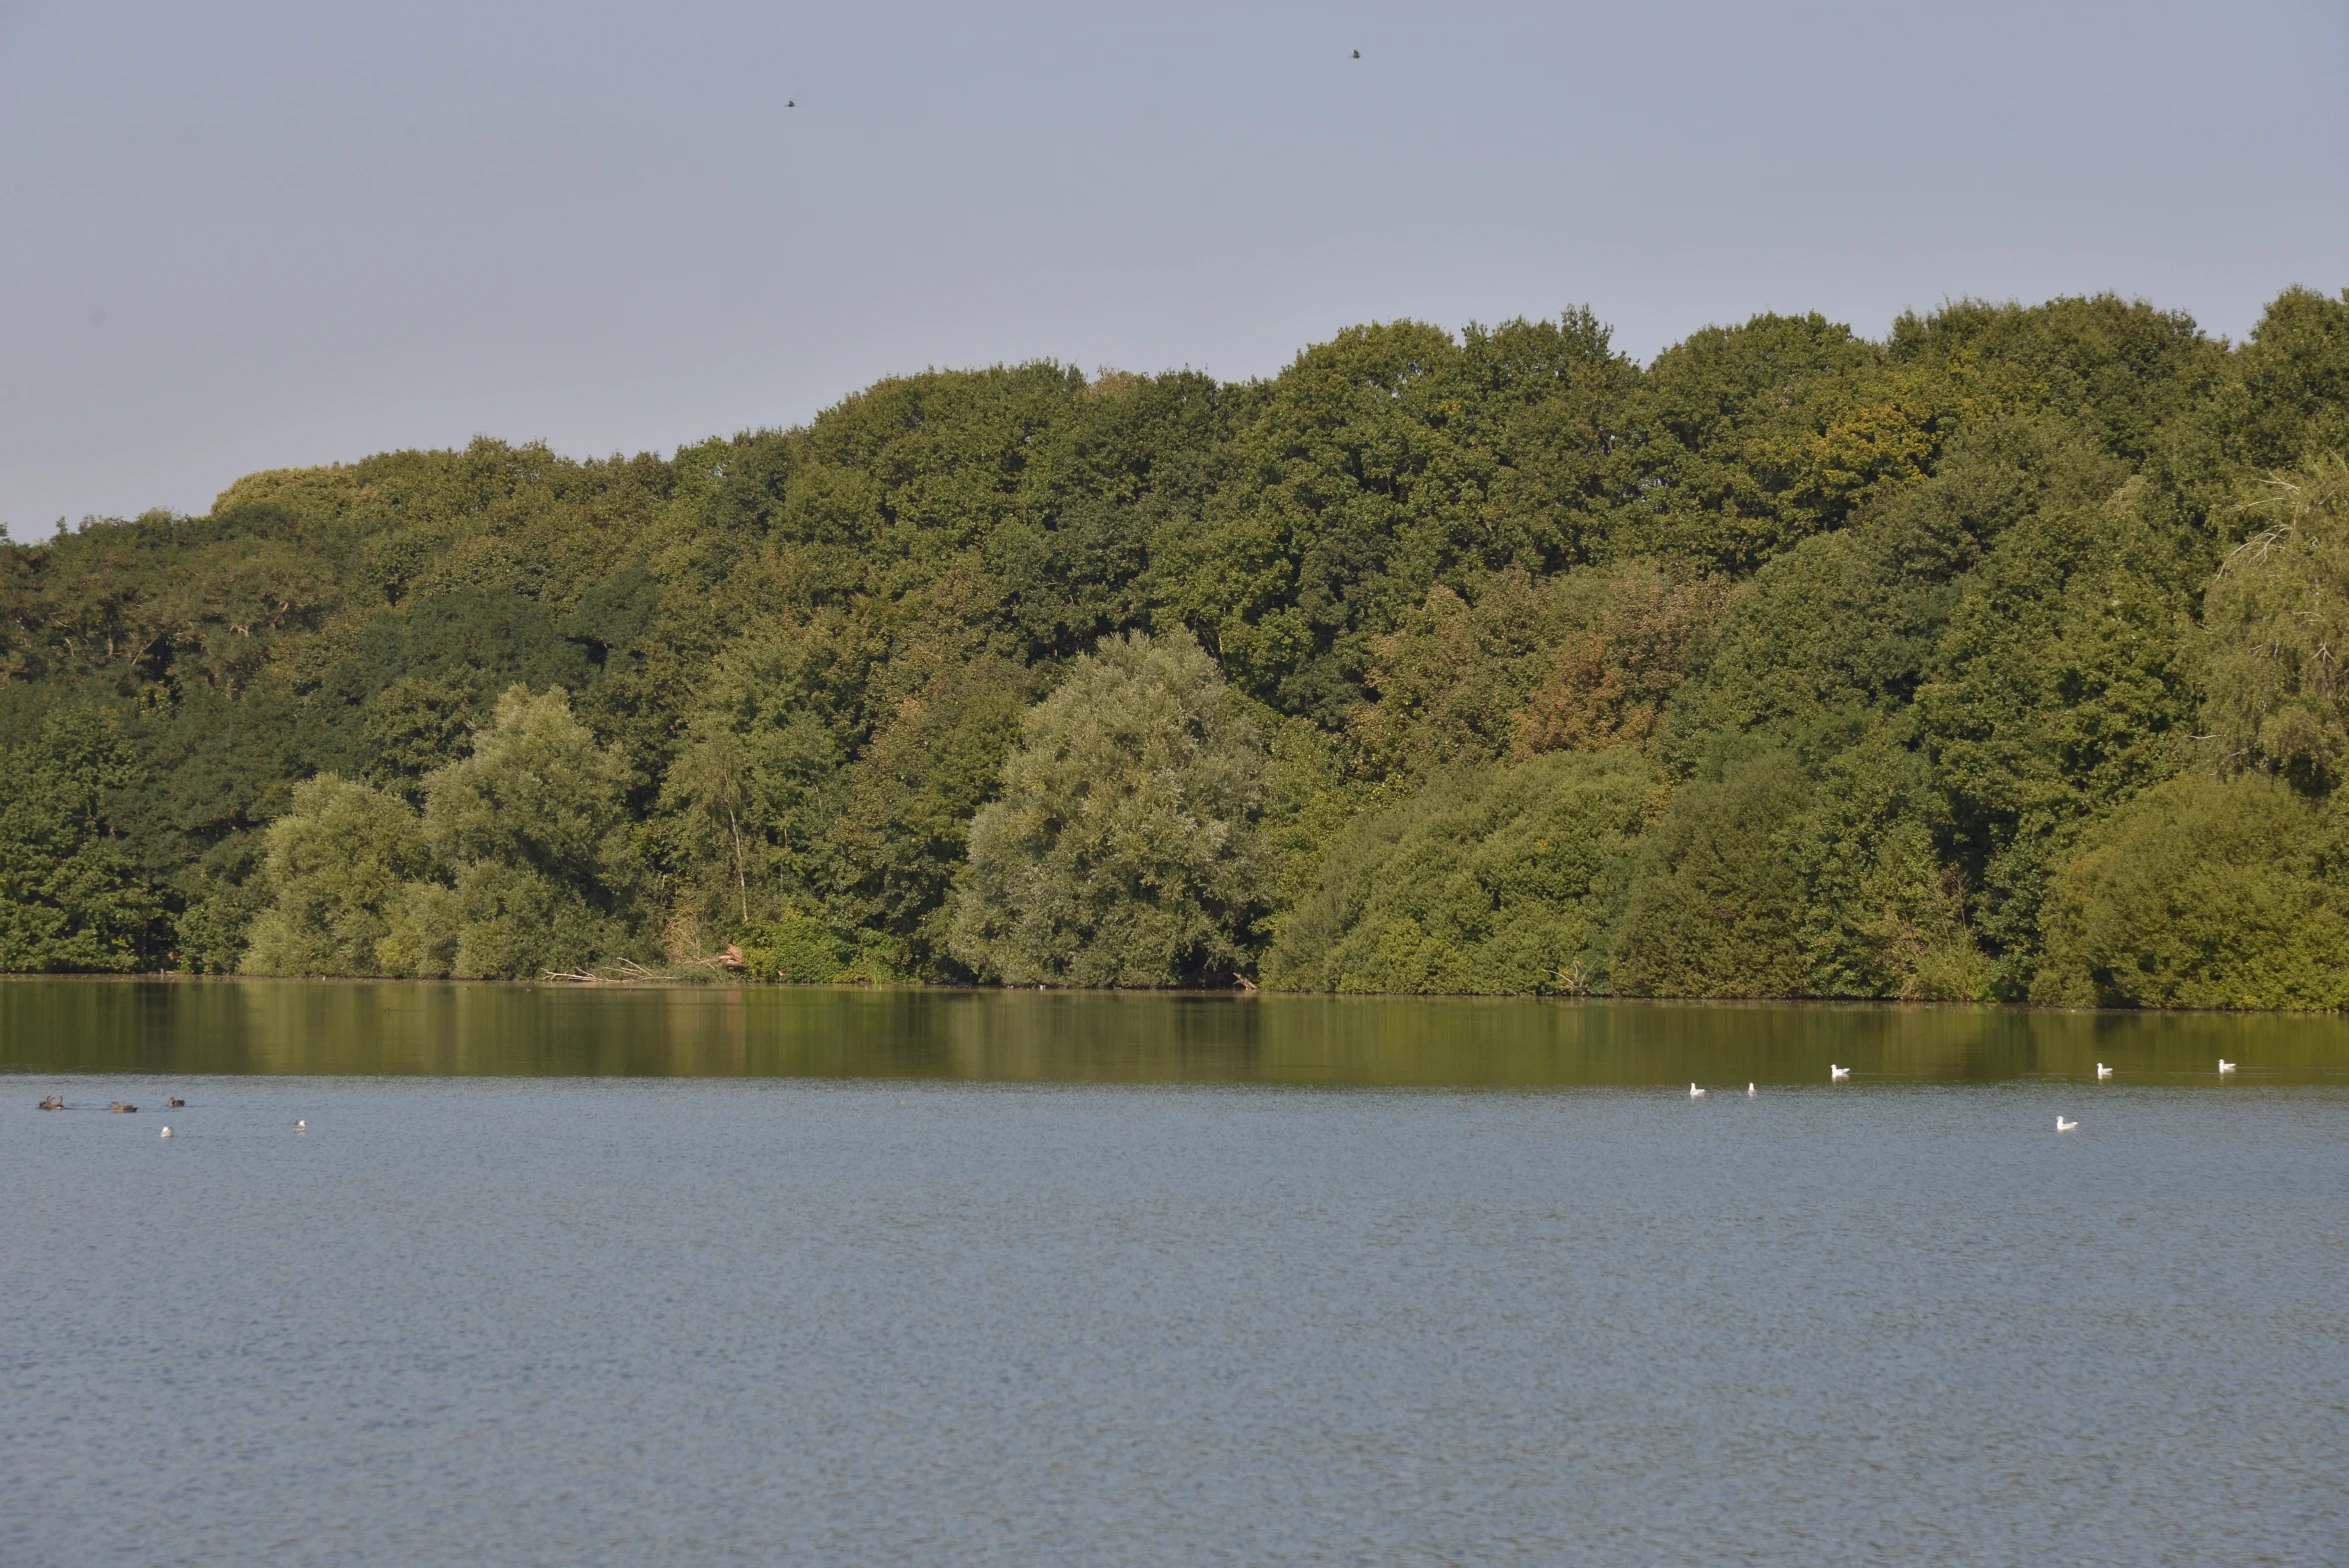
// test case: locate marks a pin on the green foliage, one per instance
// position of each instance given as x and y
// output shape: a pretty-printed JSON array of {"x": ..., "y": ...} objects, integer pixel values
[
  {"x": 339, "y": 864},
  {"x": 2293, "y": 400},
  {"x": 2204, "y": 892},
  {"x": 1823, "y": 640},
  {"x": 535, "y": 828},
  {"x": 1485, "y": 880},
  {"x": 1884, "y": 912},
  {"x": 755, "y": 782},
  {"x": 1992, "y": 475},
  {"x": 2121, "y": 369},
  {"x": 2060, "y": 688},
  {"x": 1717, "y": 906},
  {"x": 795, "y": 947},
  {"x": 909, "y": 808},
  {"x": 1125, "y": 849},
  {"x": 1362, "y": 478},
  {"x": 800, "y": 948},
  {"x": 225, "y": 894},
  {"x": 70, "y": 893},
  {"x": 418, "y": 723},
  {"x": 522, "y": 861},
  {"x": 2274, "y": 617},
  {"x": 1309, "y": 799},
  {"x": 1900, "y": 629},
  {"x": 1759, "y": 435}
]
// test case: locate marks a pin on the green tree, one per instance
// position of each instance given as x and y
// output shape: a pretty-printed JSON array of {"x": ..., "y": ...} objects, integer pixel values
[
  {"x": 338, "y": 868},
  {"x": 71, "y": 894},
  {"x": 1884, "y": 909},
  {"x": 1484, "y": 880},
  {"x": 2119, "y": 370},
  {"x": 1125, "y": 850},
  {"x": 534, "y": 831},
  {"x": 2276, "y": 618},
  {"x": 907, "y": 807},
  {"x": 2292, "y": 400},
  {"x": 1749, "y": 438},
  {"x": 223, "y": 895},
  {"x": 1717, "y": 908},
  {"x": 2059, "y": 689},
  {"x": 2204, "y": 892},
  {"x": 1385, "y": 462},
  {"x": 419, "y": 723},
  {"x": 755, "y": 783}
]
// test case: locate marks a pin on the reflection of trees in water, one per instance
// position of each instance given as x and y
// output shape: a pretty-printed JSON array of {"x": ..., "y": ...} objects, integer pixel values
[{"x": 333, "y": 1028}]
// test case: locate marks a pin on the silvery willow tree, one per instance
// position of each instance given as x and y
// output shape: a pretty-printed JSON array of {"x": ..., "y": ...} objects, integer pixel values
[{"x": 1125, "y": 849}]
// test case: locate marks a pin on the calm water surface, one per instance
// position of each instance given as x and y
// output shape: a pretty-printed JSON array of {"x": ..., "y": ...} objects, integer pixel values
[{"x": 698, "y": 1276}]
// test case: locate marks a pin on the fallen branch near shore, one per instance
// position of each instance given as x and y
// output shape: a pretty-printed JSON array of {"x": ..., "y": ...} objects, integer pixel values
[{"x": 630, "y": 972}]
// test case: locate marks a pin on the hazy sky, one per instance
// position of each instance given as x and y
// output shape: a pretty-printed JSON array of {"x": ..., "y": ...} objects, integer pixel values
[{"x": 247, "y": 235}]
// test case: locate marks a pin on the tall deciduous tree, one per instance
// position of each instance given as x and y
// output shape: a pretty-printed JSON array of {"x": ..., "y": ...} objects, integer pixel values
[
  {"x": 1487, "y": 880},
  {"x": 532, "y": 831},
  {"x": 2277, "y": 624},
  {"x": 1126, "y": 848},
  {"x": 1718, "y": 907},
  {"x": 338, "y": 868},
  {"x": 70, "y": 892},
  {"x": 2204, "y": 892}
]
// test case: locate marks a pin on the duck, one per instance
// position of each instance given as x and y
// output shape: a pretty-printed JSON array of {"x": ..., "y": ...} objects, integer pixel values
[
  {"x": 2102, "y": 1072},
  {"x": 1749, "y": 1091},
  {"x": 1695, "y": 1093},
  {"x": 2226, "y": 1066},
  {"x": 175, "y": 1102},
  {"x": 2061, "y": 1125},
  {"x": 120, "y": 1109},
  {"x": 1837, "y": 1074},
  {"x": 301, "y": 1126},
  {"x": 55, "y": 1102},
  {"x": 166, "y": 1132}
]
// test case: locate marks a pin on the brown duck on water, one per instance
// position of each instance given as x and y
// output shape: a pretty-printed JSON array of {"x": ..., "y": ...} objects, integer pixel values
[
  {"x": 175, "y": 1102},
  {"x": 120, "y": 1109},
  {"x": 55, "y": 1102}
]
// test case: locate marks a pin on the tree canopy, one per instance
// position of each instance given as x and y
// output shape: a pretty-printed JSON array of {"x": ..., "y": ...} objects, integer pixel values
[
  {"x": 1125, "y": 847},
  {"x": 1792, "y": 662}
]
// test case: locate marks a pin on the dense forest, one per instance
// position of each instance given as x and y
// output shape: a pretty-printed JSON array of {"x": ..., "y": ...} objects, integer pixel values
[{"x": 1992, "y": 660}]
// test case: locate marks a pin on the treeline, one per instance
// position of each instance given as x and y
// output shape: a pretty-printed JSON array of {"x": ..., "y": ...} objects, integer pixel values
[{"x": 1997, "y": 659}]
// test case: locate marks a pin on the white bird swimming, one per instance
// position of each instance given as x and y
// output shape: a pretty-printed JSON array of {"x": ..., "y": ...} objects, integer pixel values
[
  {"x": 2102, "y": 1071},
  {"x": 1695, "y": 1093},
  {"x": 1835, "y": 1073},
  {"x": 301, "y": 1126},
  {"x": 2226, "y": 1066},
  {"x": 166, "y": 1132},
  {"x": 1749, "y": 1091},
  {"x": 2061, "y": 1125}
]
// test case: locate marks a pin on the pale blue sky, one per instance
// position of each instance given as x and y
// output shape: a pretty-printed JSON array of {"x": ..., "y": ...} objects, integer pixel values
[{"x": 248, "y": 235}]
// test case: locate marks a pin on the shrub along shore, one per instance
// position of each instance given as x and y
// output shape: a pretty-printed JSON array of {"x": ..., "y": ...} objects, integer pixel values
[{"x": 1996, "y": 659}]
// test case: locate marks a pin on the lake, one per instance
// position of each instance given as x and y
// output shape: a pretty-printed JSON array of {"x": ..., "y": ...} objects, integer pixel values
[{"x": 705, "y": 1275}]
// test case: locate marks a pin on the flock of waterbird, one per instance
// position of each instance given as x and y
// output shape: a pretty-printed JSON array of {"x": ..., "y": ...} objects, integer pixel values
[
  {"x": 1837, "y": 1074},
  {"x": 56, "y": 1102}
]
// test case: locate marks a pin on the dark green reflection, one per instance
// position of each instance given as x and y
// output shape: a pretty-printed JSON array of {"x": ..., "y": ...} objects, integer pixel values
[{"x": 269, "y": 1026}]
